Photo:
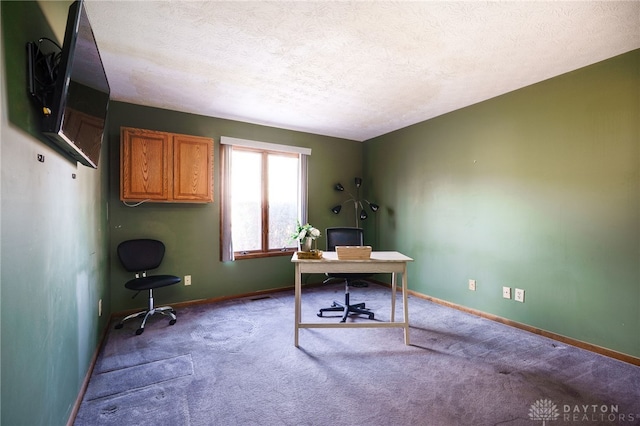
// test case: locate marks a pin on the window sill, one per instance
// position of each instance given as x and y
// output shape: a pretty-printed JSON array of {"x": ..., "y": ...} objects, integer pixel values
[{"x": 255, "y": 254}]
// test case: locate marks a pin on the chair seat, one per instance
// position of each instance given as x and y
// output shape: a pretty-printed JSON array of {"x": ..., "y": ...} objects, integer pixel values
[
  {"x": 348, "y": 275},
  {"x": 150, "y": 282}
]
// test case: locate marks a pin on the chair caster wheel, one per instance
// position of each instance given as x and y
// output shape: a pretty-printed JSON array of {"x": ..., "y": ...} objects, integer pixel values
[
  {"x": 172, "y": 322},
  {"x": 118, "y": 326},
  {"x": 319, "y": 314},
  {"x": 139, "y": 331}
]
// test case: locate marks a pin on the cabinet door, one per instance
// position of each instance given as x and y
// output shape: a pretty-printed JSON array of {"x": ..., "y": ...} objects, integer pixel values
[
  {"x": 145, "y": 165},
  {"x": 192, "y": 168}
]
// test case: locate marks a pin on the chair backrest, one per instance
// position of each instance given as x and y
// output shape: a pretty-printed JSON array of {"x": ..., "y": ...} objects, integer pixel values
[
  {"x": 140, "y": 255},
  {"x": 344, "y": 236}
]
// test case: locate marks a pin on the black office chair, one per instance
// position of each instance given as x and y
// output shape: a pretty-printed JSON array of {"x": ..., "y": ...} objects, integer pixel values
[
  {"x": 140, "y": 256},
  {"x": 345, "y": 236}
]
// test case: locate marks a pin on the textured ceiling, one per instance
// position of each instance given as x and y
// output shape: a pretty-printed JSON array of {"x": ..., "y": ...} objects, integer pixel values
[{"x": 350, "y": 69}]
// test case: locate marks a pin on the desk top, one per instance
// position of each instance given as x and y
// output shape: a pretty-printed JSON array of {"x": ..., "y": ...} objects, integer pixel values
[{"x": 376, "y": 257}]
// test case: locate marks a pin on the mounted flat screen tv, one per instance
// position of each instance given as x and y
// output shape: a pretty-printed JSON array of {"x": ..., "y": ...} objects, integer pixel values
[{"x": 75, "y": 118}]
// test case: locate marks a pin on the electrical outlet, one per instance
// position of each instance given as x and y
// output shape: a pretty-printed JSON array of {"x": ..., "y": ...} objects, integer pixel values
[
  {"x": 472, "y": 285},
  {"x": 519, "y": 295},
  {"x": 187, "y": 280},
  {"x": 506, "y": 292},
  {"x": 100, "y": 307}
]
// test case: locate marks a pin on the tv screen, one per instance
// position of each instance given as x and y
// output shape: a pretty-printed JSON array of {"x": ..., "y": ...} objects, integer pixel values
[{"x": 81, "y": 95}]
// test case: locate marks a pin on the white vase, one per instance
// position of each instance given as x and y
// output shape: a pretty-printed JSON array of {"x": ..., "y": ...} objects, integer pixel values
[{"x": 305, "y": 244}]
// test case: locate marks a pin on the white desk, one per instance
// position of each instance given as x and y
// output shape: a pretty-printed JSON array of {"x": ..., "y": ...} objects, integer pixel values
[{"x": 380, "y": 262}]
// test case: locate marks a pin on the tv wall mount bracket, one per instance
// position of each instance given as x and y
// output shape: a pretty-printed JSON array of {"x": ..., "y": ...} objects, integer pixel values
[{"x": 42, "y": 69}]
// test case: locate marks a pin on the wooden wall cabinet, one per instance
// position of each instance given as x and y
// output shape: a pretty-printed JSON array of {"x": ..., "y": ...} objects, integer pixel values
[{"x": 165, "y": 167}]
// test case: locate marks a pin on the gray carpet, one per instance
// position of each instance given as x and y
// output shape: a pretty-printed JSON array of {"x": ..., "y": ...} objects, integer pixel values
[{"x": 234, "y": 363}]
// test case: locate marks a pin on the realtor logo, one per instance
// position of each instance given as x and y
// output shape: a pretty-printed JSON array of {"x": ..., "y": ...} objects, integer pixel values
[
  {"x": 544, "y": 409},
  {"x": 547, "y": 410}
]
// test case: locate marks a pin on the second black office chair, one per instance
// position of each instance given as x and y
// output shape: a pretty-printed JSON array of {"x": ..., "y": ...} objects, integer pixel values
[
  {"x": 345, "y": 236},
  {"x": 139, "y": 256}
]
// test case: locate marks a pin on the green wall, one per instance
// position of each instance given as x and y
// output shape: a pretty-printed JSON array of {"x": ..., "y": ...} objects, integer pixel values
[
  {"x": 54, "y": 258},
  {"x": 537, "y": 189},
  {"x": 191, "y": 232}
]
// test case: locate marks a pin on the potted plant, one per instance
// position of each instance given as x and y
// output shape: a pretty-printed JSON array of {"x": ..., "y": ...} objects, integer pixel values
[{"x": 305, "y": 235}]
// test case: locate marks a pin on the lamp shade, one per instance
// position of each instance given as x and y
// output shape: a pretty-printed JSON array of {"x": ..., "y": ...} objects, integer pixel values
[{"x": 358, "y": 203}]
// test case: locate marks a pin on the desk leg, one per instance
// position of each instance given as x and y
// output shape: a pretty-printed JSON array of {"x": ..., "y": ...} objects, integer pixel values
[
  {"x": 405, "y": 306},
  {"x": 394, "y": 286},
  {"x": 298, "y": 303}
]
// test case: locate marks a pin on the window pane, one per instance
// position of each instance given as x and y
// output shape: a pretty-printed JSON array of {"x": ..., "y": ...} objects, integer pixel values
[
  {"x": 283, "y": 199},
  {"x": 246, "y": 200}
]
